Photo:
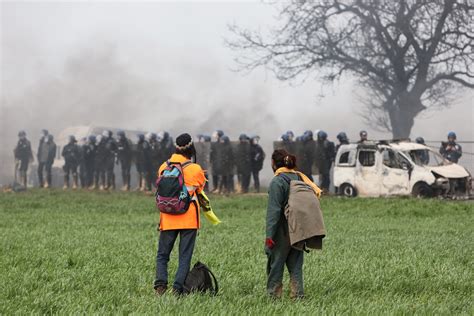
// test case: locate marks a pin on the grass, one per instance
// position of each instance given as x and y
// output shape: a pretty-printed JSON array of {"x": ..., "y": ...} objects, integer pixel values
[{"x": 81, "y": 252}]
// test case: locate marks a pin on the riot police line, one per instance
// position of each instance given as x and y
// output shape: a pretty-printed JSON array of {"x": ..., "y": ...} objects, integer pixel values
[
  {"x": 96, "y": 161},
  {"x": 93, "y": 161}
]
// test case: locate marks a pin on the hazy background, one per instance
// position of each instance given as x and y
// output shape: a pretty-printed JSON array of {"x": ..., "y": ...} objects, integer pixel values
[{"x": 163, "y": 66}]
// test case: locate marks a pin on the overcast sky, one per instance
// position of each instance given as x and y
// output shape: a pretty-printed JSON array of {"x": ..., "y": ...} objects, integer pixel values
[{"x": 128, "y": 64}]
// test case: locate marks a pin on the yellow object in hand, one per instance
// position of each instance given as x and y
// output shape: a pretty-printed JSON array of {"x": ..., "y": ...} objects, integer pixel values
[{"x": 207, "y": 209}]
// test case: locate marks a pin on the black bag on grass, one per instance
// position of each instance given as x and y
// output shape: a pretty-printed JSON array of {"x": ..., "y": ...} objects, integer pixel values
[{"x": 200, "y": 279}]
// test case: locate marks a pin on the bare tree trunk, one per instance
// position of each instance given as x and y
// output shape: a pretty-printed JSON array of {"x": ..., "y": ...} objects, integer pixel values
[
  {"x": 402, "y": 116},
  {"x": 402, "y": 123}
]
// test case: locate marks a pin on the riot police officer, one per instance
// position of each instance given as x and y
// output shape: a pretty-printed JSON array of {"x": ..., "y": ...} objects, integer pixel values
[
  {"x": 23, "y": 155},
  {"x": 203, "y": 155},
  {"x": 142, "y": 161},
  {"x": 82, "y": 166},
  {"x": 46, "y": 154},
  {"x": 343, "y": 140},
  {"x": 243, "y": 163},
  {"x": 451, "y": 150},
  {"x": 257, "y": 156},
  {"x": 155, "y": 157},
  {"x": 124, "y": 157},
  {"x": 325, "y": 158},
  {"x": 291, "y": 136},
  {"x": 216, "y": 159},
  {"x": 167, "y": 147},
  {"x": 422, "y": 155},
  {"x": 308, "y": 148},
  {"x": 106, "y": 151},
  {"x": 363, "y": 137},
  {"x": 227, "y": 160},
  {"x": 71, "y": 153},
  {"x": 89, "y": 151},
  {"x": 289, "y": 143}
]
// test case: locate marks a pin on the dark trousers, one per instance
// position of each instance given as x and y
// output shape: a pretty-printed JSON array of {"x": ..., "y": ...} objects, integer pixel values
[
  {"x": 47, "y": 167},
  {"x": 126, "y": 166},
  {"x": 283, "y": 254},
  {"x": 187, "y": 239},
  {"x": 109, "y": 171},
  {"x": 215, "y": 181},
  {"x": 325, "y": 180},
  {"x": 256, "y": 180},
  {"x": 245, "y": 182}
]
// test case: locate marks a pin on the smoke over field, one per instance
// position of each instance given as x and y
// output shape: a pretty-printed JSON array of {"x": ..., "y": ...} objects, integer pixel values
[{"x": 162, "y": 66}]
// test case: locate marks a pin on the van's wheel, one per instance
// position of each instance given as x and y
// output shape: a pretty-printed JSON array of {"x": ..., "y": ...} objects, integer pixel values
[
  {"x": 422, "y": 190},
  {"x": 347, "y": 190}
]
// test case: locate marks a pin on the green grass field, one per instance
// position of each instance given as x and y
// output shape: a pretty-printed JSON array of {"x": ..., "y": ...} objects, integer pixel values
[{"x": 87, "y": 252}]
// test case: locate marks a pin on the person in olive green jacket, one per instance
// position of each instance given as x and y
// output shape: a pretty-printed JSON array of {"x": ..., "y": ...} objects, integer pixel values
[{"x": 277, "y": 242}]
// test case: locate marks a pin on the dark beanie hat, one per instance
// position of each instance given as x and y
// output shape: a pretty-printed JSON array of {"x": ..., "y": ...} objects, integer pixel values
[{"x": 184, "y": 141}]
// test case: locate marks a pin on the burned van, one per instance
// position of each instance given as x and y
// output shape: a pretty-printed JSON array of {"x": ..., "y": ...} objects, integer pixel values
[{"x": 397, "y": 168}]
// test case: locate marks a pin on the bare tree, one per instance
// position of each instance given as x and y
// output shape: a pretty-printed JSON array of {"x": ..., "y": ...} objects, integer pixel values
[{"x": 407, "y": 55}]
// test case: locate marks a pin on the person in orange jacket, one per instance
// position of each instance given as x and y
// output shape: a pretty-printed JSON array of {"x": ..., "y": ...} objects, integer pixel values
[{"x": 185, "y": 225}]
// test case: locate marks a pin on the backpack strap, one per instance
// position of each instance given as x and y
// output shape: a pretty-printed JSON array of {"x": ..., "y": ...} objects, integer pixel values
[
  {"x": 185, "y": 164},
  {"x": 216, "y": 285}
]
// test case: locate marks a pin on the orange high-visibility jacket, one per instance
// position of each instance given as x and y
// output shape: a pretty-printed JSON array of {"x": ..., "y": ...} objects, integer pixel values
[{"x": 194, "y": 180}]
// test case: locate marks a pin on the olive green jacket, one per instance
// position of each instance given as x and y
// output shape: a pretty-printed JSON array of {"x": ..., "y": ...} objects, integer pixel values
[{"x": 278, "y": 193}]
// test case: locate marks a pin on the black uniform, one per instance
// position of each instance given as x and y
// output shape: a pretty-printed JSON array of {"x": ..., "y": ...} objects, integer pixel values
[
  {"x": 257, "y": 157},
  {"x": 156, "y": 159},
  {"x": 143, "y": 162},
  {"x": 227, "y": 168},
  {"x": 23, "y": 154},
  {"x": 105, "y": 161},
  {"x": 308, "y": 148},
  {"x": 452, "y": 151},
  {"x": 82, "y": 167},
  {"x": 124, "y": 156},
  {"x": 71, "y": 153},
  {"x": 46, "y": 155},
  {"x": 243, "y": 163},
  {"x": 216, "y": 164},
  {"x": 89, "y": 151},
  {"x": 324, "y": 159}
]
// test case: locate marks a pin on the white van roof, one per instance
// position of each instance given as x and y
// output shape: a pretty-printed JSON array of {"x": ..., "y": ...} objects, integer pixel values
[{"x": 402, "y": 146}]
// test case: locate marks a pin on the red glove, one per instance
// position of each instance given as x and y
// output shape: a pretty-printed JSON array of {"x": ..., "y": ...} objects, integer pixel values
[{"x": 269, "y": 243}]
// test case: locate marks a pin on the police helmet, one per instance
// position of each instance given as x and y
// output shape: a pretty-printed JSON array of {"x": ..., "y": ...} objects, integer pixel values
[
  {"x": 243, "y": 137},
  {"x": 420, "y": 140},
  {"x": 72, "y": 139},
  {"x": 21, "y": 134},
  {"x": 225, "y": 139},
  {"x": 285, "y": 137},
  {"x": 322, "y": 135},
  {"x": 341, "y": 136},
  {"x": 92, "y": 138},
  {"x": 452, "y": 135}
]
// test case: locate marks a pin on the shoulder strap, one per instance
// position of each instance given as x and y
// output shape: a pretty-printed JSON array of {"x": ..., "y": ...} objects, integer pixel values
[
  {"x": 185, "y": 164},
  {"x": 216, "y": 285},
  {"x": 182, "y": 165}
]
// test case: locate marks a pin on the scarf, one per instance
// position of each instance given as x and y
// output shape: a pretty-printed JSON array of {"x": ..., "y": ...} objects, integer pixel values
[{"x": 305, "y": 179}]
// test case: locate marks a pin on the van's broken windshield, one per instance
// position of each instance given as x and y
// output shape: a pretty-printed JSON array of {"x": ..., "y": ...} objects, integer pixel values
[{"x": 426, "y": 157}]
